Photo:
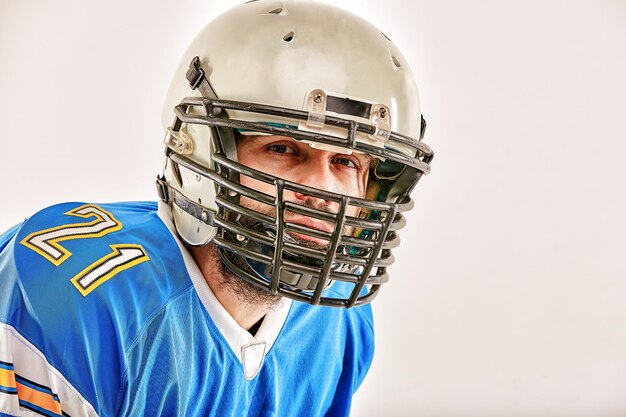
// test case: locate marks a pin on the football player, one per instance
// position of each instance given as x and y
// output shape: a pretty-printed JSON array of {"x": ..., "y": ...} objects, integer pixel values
[{"x": 292, "y": 142}]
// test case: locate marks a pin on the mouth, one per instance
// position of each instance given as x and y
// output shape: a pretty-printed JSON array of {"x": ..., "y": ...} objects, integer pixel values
[
  {"x": 303, "y": 230},
  {"x": 306, "y": 229}
]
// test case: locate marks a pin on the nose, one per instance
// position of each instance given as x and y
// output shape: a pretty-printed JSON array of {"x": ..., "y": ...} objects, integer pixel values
[
  {"x": 316, "y": 173},
  {"x": 314, "y": 202}
]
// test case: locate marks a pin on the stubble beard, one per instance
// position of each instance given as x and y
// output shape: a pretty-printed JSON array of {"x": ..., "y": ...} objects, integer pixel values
[
  {"x": 245, "y": 291},
  {"x": 250, "y": 293}
]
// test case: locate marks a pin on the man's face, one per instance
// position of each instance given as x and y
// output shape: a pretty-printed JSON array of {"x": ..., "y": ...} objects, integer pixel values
[{"x": 297, "y": 162}]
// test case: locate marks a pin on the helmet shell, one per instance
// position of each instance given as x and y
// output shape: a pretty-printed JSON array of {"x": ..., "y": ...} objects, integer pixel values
[{"x": 274, "y": 53}]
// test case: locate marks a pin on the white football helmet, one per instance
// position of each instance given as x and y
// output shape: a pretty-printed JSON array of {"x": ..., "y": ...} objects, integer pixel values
[{"x": 317, "y": 74}]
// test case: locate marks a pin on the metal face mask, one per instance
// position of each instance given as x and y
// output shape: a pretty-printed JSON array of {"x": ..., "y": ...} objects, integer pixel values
[{"x": 335, "y": 256}]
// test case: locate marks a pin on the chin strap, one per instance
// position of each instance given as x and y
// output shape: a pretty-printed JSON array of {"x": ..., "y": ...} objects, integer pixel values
[
  {"x": 297, "y": 280},
  {"x": 197, "y": 79},
  {"x": 172, "y": 195}
]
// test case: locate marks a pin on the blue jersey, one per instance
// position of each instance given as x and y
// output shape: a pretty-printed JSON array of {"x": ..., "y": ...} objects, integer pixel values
[{"x": 104, "y": 313}]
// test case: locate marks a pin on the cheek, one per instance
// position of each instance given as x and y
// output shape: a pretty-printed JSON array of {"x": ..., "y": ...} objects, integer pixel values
[
  {"x": 257, "y": 185},
  {"x": 356, "y": 188},
  {"x": 352, "y": 186},
  {"x": 353, "y": 211},
  {"x": 252, "y": 157},
  {"x": 253, "y": 204}
]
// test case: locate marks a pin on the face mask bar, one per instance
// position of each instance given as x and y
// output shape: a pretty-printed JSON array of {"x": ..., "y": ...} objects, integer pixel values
[
  {"x": 212, "y": 109},
  {"x": 346, "y": 258},
  {"x": 260, "y": 248}
]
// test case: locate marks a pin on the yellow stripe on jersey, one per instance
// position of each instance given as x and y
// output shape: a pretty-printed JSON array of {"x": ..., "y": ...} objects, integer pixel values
[
  {"x": 38, "y": 398},
  {"x": 7, "y": 378}
]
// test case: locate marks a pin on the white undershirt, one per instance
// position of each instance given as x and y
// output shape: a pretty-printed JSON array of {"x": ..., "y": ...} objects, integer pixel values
[{"x": 250, "y": 350}]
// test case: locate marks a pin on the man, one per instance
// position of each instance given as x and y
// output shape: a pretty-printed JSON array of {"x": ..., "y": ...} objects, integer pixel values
[{"x": 292, "y": 144}]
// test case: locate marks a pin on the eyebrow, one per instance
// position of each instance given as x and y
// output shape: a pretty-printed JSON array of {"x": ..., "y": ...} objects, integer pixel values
[{"x": 370, "y": 159}]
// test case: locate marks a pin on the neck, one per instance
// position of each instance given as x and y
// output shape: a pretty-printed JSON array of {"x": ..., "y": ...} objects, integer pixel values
[{"x": 246, "y": 303}]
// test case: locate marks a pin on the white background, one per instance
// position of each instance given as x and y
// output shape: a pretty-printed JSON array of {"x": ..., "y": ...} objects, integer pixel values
[{"x": 509, "y": 294}]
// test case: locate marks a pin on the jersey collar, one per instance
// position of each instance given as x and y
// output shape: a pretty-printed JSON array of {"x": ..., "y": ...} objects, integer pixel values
[{"x": 250, "y": 350}]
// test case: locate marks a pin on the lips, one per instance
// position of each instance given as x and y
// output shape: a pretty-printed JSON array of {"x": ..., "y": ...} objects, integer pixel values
[
  {"x": 320, "y": 225},
  {"x": 311, "y": 223},
  {"x": 292, "y": 218}
]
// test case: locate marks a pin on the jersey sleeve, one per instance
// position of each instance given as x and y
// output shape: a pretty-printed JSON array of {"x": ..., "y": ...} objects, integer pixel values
[
  {"x": 6, "y": 237},
  {"x": 29, "y": 383},
  {"x": 364, "y": 334},
  {"x": 77, "y": 285},
  {"x": 356, "y": 355},
  {"x": 360, "y": 335}
]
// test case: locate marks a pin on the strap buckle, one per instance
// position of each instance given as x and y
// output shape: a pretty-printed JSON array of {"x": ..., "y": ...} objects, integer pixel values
[
  {"x": 195, "y": 73},
  {"x": 162, "y": 189}
]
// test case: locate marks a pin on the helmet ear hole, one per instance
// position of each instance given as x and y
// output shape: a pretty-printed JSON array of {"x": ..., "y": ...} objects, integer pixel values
[{"x": 395, "y": 61}]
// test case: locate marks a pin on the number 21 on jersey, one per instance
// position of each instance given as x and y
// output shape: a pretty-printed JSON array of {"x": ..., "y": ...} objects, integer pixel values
[{"x": 123, "y": 256}]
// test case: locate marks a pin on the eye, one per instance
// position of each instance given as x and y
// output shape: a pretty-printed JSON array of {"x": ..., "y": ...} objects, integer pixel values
[
  {"x": 346, "y": 161},
  {"x": 282, "y": 149}
]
